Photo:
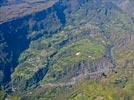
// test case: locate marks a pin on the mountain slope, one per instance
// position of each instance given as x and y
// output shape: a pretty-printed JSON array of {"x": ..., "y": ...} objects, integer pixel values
[{"x": 73, "y": 44}]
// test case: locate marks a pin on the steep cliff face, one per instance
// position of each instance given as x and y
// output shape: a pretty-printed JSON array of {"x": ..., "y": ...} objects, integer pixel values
[{"x": 53, "y": 49}]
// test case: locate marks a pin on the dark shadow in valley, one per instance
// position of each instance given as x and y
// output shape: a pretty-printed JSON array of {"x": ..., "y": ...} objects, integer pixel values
[{"x": 16, "y": 35}]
